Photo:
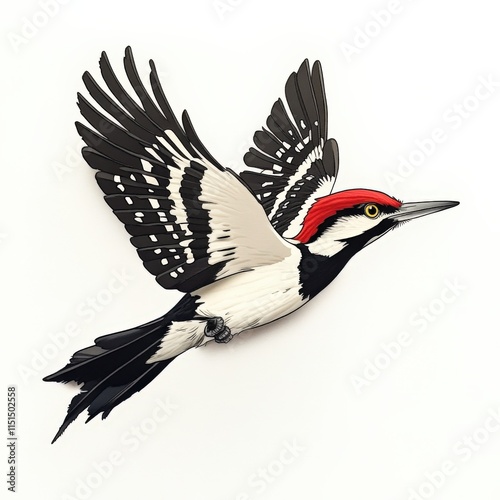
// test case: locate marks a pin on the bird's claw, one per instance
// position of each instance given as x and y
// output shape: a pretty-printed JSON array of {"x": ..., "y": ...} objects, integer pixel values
[{"x": 216, "y": 328}]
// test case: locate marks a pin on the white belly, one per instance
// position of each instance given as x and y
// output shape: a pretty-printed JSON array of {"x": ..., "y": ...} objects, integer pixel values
[
  {"x": 245, "y": 300},
  {"x": 254, "y": 298}
]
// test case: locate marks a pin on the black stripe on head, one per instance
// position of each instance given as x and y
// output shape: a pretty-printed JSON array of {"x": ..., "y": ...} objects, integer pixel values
[
  {"x": 382, "y": 227},
  {"x": 351, "y": 211}
]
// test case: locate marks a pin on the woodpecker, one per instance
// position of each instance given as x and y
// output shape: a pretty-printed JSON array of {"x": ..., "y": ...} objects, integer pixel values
[{"x": 244, "y": 249}]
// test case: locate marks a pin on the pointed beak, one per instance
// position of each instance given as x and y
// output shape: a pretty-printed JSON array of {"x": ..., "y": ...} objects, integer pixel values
[{"x": 408, "y": 211}]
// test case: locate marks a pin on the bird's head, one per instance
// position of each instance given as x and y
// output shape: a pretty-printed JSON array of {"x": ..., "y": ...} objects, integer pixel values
[{"x": 357, "y": 217}]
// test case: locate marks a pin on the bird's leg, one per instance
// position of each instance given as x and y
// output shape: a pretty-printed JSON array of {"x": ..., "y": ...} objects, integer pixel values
[{"x": 216, "y": 328}]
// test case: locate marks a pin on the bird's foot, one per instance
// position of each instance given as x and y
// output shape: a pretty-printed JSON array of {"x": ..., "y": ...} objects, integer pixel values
[{"x": 216, "y": 328}]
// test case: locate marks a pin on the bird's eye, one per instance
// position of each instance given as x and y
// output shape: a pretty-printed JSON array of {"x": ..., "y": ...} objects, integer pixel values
[{"x": 372, "y": 210}]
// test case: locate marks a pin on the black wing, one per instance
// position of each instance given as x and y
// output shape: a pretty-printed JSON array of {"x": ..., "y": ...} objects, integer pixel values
[
  {"x": 192, "y": 221},
  {"x": 295, "y": 163}
]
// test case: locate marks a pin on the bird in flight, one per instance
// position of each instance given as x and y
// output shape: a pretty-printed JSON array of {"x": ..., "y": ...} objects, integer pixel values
[{"x": 244, "y": 249}]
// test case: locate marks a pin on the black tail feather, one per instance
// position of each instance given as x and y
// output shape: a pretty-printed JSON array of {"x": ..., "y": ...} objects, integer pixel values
[
  {"x": 117, "y": 367},
  {"x": 110, "y": 350},
  {"x": 112, "y": 370},
  {"x": 113, "y": 396}
]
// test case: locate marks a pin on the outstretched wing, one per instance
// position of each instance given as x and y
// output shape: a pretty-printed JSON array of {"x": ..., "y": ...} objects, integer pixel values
[
  {"x": 295, "y": 163},
  {"x": 192, "y": 221}
]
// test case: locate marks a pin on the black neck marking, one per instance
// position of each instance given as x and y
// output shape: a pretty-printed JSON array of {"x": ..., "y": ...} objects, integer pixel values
[{"x": 318, "y": 271}]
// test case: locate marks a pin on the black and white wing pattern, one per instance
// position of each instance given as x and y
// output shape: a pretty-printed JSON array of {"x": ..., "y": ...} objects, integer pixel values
[
  {"x": 192, "y": 221},
  {"x": 295, "y": 163}
]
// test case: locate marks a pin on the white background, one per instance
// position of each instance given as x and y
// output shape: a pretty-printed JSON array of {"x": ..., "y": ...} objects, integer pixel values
[{"x": 237, "y": 406}]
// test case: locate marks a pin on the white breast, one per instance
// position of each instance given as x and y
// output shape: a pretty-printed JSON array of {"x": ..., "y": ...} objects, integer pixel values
[
  {"x": 254, "y": 298},
  {"x": 245, "y": 300}
]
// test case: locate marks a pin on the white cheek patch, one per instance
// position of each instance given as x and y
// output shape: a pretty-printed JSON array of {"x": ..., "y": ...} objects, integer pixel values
[
  {"x": 330, "y": 242},
  {"x": 348, "y": 227}
]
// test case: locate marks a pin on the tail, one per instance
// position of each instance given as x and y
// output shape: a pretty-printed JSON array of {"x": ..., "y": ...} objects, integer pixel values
[
  {"x": 112, "y": 370},
  {"x": 115, "y": 367}
]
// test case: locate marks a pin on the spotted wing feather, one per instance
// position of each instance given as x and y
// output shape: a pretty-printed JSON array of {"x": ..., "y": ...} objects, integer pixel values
[
  {"x": 293, "y": 163},
  {"x": 192, "y": 221}
]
